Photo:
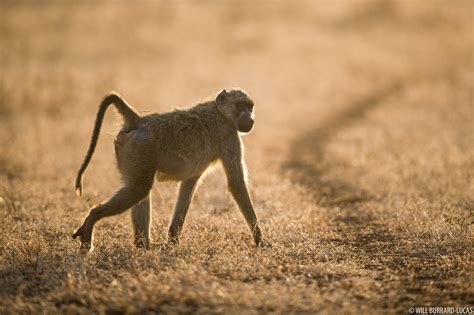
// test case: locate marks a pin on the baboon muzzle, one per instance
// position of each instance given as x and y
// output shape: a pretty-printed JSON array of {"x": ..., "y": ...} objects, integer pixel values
[{"x": 245, "y": 122}]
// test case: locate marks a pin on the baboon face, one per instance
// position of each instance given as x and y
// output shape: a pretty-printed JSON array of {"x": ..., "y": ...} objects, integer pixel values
[{"x": 237, "y": 107}]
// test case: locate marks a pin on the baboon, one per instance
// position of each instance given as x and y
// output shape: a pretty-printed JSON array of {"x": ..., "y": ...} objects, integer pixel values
[{"x": 174, "y": 146}]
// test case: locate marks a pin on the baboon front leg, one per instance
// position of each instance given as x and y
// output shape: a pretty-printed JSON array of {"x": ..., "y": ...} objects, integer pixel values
[
  {"x": 121, "y": 201},
  {"x": 238, "y": 189},
  {"x": 186, "y": 192},
  {"x": 141, "y": 219},
  {"x": 234, "y": 169}
]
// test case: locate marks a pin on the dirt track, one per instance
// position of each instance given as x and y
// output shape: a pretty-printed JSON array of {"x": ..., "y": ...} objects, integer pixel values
[{"x": 361, "y": 164}]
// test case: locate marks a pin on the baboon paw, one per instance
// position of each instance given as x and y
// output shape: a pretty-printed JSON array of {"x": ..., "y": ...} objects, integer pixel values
[
  {"x": 264, "y": 244},
  {"x": 173, "y": 240},
  {"x": 77, "y": 232},
  {"x": 142, "y": 244},
  {"x": 85, "y": 247},
  {"x": 85, "y": 240}
]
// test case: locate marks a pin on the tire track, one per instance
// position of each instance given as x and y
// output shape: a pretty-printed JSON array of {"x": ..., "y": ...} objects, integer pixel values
[
  {"x": 306, "y": 163},
  {"x": 373, "y": 244}
]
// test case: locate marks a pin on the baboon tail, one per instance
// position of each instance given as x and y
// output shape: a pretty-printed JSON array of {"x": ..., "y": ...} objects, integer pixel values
[{"x": 131, "y": 118}]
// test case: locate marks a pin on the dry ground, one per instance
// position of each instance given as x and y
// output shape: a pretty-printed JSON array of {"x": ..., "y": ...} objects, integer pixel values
[{"x": 361, "y": 164}]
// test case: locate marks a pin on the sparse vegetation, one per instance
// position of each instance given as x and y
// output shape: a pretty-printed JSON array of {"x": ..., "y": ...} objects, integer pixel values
[{"x": 361, "y": 164}]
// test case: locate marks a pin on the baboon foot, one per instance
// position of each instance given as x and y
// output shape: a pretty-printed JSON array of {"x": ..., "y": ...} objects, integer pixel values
[
  {"x": 262, "y": 243},
  {"x": 85, "y": 235}
]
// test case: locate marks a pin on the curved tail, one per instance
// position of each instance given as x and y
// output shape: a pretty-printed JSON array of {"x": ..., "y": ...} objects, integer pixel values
[{"x": 131, "y": 118}]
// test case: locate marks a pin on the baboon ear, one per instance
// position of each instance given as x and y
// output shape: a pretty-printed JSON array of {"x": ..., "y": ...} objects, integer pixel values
[
  {"x": 220, "y": 99},
  {"x": 227, "y": 111}
]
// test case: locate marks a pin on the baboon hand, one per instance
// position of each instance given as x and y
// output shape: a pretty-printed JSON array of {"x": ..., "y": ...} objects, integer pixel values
[
  {"x": 260, "y": 242},
  {"x": 142, "y": 242}
]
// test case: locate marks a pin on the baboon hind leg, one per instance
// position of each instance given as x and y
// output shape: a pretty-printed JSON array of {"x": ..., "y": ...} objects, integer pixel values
[
  {"x": 121, "y": 201},
  {"x": 141, "y": 220},
  {"x": 186, "y": 192}
]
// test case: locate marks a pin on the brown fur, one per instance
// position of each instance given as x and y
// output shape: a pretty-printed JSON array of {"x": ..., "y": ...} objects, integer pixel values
[{"x": 178, "y": 146}]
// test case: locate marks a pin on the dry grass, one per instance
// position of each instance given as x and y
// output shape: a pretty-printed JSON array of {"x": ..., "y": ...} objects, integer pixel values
[{"x": 361, "y": 163}]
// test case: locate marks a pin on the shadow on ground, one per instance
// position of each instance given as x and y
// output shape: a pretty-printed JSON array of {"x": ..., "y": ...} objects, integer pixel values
[
  {"x": 402, "y": 267},
  {"x": 307, "y": 163}
]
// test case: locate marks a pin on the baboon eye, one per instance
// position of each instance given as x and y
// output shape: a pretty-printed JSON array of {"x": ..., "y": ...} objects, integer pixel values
[{"x": 244, "y": 107}]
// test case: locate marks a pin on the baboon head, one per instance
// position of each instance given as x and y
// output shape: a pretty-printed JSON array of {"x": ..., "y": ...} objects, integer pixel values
[{"x": 237, "y": 107}]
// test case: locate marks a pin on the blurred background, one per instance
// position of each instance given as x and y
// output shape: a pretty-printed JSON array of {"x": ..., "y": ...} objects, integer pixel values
[{"x": 361, "y": 162}]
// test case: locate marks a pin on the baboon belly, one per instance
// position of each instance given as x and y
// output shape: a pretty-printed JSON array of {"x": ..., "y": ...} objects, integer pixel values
[
  {"x": 183, "y": 155},
  {"x": 175, "y": 164}
]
